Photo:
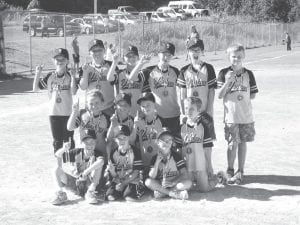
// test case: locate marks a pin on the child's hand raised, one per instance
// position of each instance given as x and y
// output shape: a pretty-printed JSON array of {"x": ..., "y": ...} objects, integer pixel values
[
  {"x": 75, "y": 106},
  {"x": 116, "y": 57},
  {"x": 73, "y": 71},
  {"x": 145, "y": 58},
  {"x": 39, "y": 68}
]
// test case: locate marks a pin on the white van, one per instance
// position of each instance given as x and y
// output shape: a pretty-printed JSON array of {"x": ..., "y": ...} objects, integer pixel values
[{"x": 190, "y": 7}]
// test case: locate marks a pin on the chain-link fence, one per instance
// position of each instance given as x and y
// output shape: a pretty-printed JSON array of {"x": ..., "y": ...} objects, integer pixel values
[{"x": 29, "y": 37}]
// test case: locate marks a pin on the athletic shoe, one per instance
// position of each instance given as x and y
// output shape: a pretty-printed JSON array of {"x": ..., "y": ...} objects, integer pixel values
[
  {"x": 157, "y": 195},
  {"x": 222, "y": 177},
  {"x": 183, "y": 195},
  {"x": 130, "y": 199},
  {"x": 238, "y": 177},
  {"x": 230, "y": 173},
  {"x": 111, "y": 198},
  {"x": 91, "y": 197},
  {"x": 61, "y": 198}
]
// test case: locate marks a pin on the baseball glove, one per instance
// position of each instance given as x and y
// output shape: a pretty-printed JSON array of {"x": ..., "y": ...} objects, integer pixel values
[{"x": 81, "y": 186}]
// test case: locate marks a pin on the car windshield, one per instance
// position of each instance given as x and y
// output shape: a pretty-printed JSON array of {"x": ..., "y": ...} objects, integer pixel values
[
  {"x": 131, "y": 17},
  {"x": 178, "y": 10},
  {"x": 197, "y": 6},
  {"x": 130, "y": 9},
  {"x": 162, "y": 15}
]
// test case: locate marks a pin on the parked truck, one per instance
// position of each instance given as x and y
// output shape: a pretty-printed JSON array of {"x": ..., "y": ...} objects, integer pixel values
[{"x": 127, "y": 10}]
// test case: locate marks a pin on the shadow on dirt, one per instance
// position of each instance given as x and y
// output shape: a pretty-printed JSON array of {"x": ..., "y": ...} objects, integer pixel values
[
  {"x": 252, "y": 193},
  {"x": 14, "y": 86}
]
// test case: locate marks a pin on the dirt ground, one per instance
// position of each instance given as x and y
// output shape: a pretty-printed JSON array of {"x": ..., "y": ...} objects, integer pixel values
[{"x": 270, "y": 193}]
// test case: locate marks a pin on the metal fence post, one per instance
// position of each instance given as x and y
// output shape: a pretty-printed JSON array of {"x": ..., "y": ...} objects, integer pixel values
[
  {"x": 93, "y": 21},
  {"x": 143, "y": 29},
  {"x": 30, "y": 43},
  {"x": 159, "y": 38},
  {"x": 119, "y": 34},
  {"x": 214, "y": 38},
  {"x": 225, "y": 35},
  {"x": 275, "y": 34},
  {"x": 270, "y": 34},
  {"x": 65, "y": 32}
]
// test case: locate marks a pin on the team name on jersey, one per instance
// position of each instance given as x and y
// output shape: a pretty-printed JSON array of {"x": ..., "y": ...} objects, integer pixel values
[
  {"x": 161, "y": 82},
  {"x": 195, "y": 140},
  {"x": 126, "y": 84},
  {"x": 238, "y": 88},
  {"x": 146, "y": 136},
  {"x": 168, "y": 173},
  {"x": 56, "y": 86},
  {"x": 91, "y": 126},
  {"x": 195, "y": 83},
  {"x": 120, "y": 167},
  {"x": 95, "y": 76}
]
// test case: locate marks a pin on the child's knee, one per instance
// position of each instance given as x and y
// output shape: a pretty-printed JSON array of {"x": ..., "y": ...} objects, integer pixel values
[{"x": 149, "y": 182}]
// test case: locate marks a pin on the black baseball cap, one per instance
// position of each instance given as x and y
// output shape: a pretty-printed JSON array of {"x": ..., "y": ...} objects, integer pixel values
[
  {"x": 123, "y": 97},
  {"x": 88, "y": 134},
  {"x": 167, "y": 48},
  {"x": 147, "y": 96},
  {"x": 131, "y": 49},
  {"x": 165, "y": 131},
  {"x": 61, "y": 52},
  {"x": 195, "y": 43},
  {"x": 96, "y": 42},
  {"x": 122, "y": 130}
]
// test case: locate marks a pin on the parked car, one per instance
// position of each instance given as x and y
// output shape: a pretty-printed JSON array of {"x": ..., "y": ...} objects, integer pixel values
[
  {"x": 125, "y": 10},
  {"x": 109, "y": 25},
  {"x": 172, "y": 13},
  {"x": 192, "y": 7},
  {"x": 86, "y": 24},
  {"x": 125, "y": 19},
  {"x": 161, "y": 17},
  {"x": 54, "y": 25},
  {"x": 183, "y": 13}
]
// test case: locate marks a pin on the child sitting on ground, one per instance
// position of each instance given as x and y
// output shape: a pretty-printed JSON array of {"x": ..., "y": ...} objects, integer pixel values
[{"x": 78, "y": 163}]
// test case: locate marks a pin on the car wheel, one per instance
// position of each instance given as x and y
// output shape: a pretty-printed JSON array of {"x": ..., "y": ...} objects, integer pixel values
[
  {"x": 60, "y": 32},
  {"x": 87, "y": 30},
  {"x": 32, "y": 32}
]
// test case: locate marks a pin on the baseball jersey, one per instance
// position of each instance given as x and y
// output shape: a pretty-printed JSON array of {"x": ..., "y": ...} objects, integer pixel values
[
  {"x": 131, "y": 87},
  {"x": 97, "y": 79},
  {"x": 163, "y": 86},
  {"x": 85, "y": 121},
  {"x": 75, "y": 161},
  {"x": 192, "y": 151},
  {"x": 59, "y": 92},
  {"x": 125, "y": 164},
  {"x": 146, "y": 137},
  {"x": 169, "y": 170},
  {"x": 198, "y": 83},
  {"x": 237, "y": 102}
]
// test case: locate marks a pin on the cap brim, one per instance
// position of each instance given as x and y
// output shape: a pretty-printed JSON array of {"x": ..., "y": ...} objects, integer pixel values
[
  {"x": 131, "y": 53},
  {"x": 60, "y": 55},
  {"x": 144, "y": 99},
  {"x": 165, "y": 132}
]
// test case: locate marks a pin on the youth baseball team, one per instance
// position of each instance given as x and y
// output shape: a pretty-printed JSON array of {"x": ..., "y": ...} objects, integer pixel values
[{"x": 145, "y": 129}]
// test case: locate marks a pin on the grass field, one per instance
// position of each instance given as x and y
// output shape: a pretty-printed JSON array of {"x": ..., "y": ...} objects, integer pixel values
[{"x": 269, "y": 195}]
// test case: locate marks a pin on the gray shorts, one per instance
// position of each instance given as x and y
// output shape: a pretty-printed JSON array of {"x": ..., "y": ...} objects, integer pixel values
[{"x": 237, "y": 133}]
